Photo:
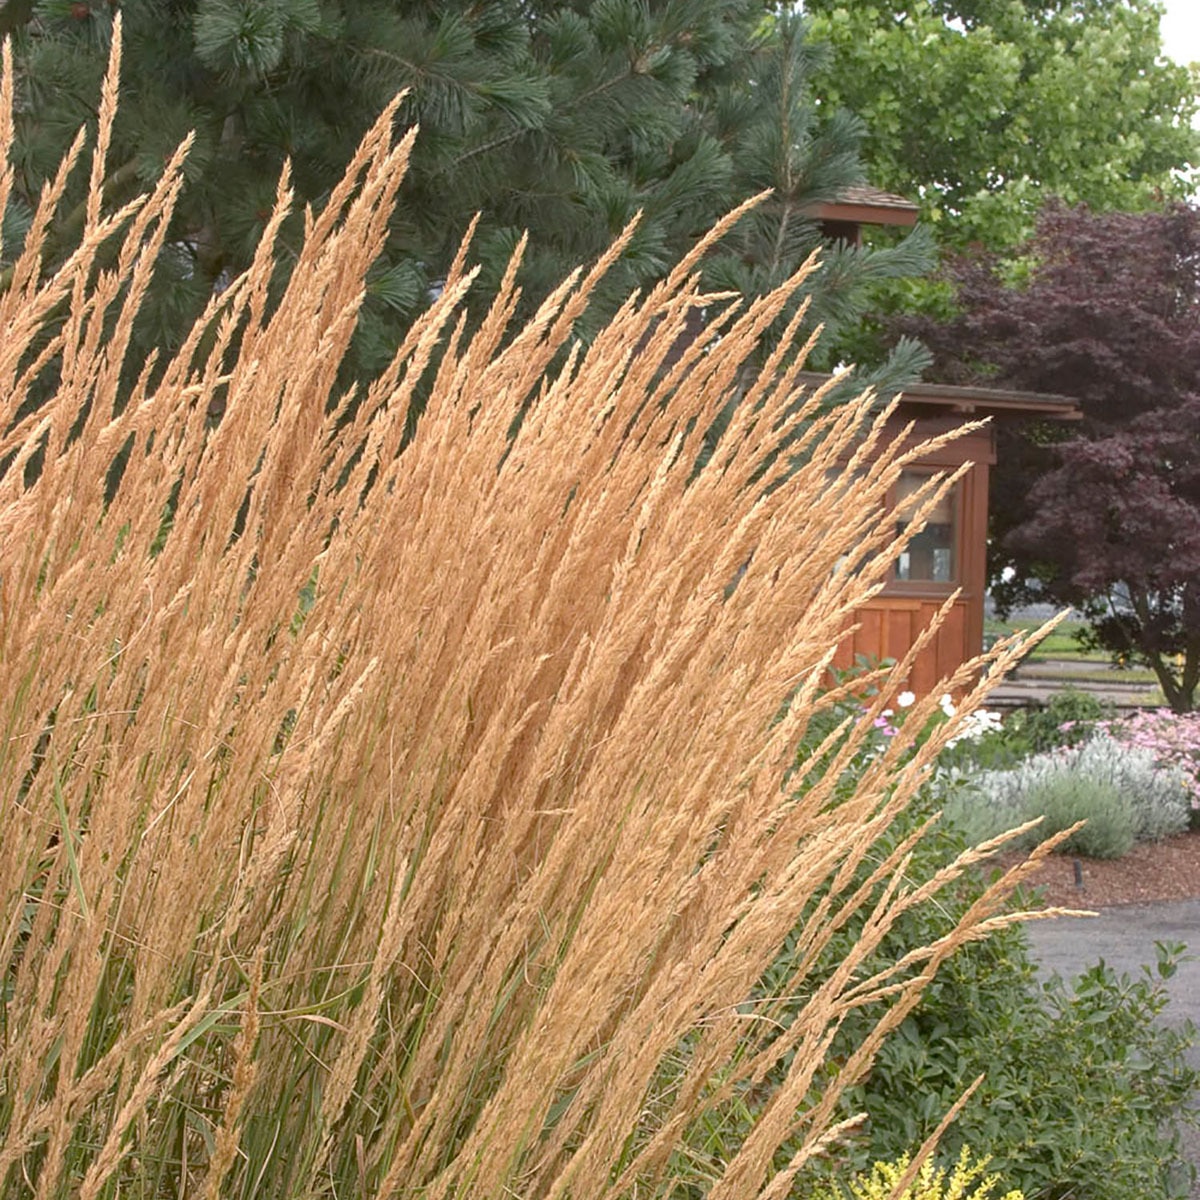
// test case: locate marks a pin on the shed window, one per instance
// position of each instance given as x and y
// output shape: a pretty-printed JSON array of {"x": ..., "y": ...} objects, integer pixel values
[{"x": 932, "y": 555}]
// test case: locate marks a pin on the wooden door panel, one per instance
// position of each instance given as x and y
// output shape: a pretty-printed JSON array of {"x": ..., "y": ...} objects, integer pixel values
[{"x": 889, "y": 625}]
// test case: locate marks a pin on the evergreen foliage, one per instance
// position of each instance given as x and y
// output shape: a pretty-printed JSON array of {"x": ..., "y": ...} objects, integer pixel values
[{"x": 561, "y": 119}]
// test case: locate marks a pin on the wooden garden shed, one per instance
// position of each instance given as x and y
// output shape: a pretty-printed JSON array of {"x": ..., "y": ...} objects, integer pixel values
[{"x": 950, "y": 553}]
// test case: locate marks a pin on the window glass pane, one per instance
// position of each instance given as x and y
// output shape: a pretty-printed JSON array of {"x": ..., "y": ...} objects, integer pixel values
[{"x": 930, "y": 556}]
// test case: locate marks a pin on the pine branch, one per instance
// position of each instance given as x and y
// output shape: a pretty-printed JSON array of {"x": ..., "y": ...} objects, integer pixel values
[
  {"x": 66, "y": 231},
  {"x": 506, "y": 139}
]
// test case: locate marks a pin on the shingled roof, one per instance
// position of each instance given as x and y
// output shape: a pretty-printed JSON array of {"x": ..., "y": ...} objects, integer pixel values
[
  {"x": 970, "y": 402},
  {"x": 866, "y": 206}
]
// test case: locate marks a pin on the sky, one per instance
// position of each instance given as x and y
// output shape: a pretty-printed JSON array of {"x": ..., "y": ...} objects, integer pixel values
[{"x": 1181, "y": 30}]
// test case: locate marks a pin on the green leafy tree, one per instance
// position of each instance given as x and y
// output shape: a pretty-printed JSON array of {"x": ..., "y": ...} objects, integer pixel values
[
  {"x": 561, "y": 119},
  {"x": 982, "y": 109}
]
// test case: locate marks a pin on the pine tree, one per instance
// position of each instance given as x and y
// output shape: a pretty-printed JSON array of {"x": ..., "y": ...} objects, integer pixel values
[
  {"x": 785, "y": 142},
  {"x": 561, "y": 119}
]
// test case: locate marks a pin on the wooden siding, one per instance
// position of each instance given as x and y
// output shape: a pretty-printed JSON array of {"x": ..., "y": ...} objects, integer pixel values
[{"x": 887, "y": 626}]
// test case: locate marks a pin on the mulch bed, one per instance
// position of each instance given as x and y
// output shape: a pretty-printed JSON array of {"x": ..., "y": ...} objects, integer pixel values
[{"x": 1153, "y": 871}]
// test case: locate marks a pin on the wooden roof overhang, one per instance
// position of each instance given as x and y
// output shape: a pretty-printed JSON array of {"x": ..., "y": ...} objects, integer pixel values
[
  {"x": 844, "y": 216},
  {"x": 971, "y": 403},
  {"x": 937, "y": 408},
  {"x": 866, "y": 206},
  {"x": 976, "y": 402}
]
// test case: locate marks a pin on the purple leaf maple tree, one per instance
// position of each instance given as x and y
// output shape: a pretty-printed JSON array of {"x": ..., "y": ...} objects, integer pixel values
[{"x": 1104, "y": 514}]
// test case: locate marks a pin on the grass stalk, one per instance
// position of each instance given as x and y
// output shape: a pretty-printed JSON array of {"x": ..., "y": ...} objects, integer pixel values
[{"x": 402, "y": 806}]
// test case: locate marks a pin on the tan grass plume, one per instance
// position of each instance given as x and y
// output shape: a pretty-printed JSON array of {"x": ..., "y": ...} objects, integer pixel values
[{"x": 416, "y": 818}]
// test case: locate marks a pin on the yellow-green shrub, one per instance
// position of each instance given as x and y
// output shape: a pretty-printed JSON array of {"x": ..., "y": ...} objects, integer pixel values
[{"x": 966, "y": 1180}]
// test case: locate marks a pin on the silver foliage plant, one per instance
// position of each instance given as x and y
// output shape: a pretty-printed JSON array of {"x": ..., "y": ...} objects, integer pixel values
[{"x": 1152, "y": 801}]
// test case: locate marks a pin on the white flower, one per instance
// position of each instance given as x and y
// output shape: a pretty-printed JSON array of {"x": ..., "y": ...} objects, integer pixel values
[
  {"x": 947, "y": 705},
  {"x": 906, "y": 699},
  {"x": 986, "y": 720},
  {"x": 976, "y": 725}
]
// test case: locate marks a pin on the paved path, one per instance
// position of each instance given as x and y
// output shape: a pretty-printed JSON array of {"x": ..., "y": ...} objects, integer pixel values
[
  {"x": 1124, "y": 937},
  {"x": 1034, "y": 683}
]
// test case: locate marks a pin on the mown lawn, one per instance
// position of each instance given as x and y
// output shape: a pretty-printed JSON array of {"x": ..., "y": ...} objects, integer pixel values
[{"x": 1063, "y": 644}]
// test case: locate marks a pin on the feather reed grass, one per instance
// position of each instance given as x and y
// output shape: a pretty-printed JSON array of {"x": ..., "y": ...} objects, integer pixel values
[{"x": 386, "y": 803}]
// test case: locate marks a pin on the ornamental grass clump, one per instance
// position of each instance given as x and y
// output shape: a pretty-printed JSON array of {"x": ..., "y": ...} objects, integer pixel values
[{"x": 398, "y": 805}]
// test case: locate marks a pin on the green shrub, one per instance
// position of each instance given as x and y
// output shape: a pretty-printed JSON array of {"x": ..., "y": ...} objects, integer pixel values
[
  {"x": 1083, "y": 1088},
  {"x": 1066, "y": 799},
  {"x": 1068, "y": 718},
  {"x": 1119, "y": 789},
  {"x": 1083, "y": 1085}
]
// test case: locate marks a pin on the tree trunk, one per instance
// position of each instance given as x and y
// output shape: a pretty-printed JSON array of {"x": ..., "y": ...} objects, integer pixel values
[{"x": 1179, "y": 689}]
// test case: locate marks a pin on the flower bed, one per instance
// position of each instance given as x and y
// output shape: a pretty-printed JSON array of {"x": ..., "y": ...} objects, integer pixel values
[{"x": 1172, "y": 738}]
